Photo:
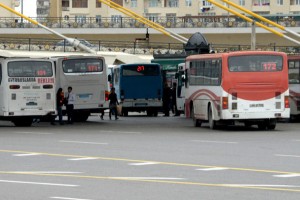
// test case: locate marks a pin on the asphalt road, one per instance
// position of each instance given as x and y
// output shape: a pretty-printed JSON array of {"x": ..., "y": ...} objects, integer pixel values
[{"x": 139, "y": 157}]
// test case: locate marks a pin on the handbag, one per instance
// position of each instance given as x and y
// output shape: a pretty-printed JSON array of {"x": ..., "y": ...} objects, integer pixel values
[{"x": 119, "y": 110}]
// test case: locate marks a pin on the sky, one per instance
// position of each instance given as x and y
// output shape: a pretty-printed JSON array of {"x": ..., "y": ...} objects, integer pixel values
[{"x": 29, "y": 8}]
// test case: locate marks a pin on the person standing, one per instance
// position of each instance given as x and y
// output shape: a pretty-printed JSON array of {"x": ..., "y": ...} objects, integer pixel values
[
  {"x": 59, "y": 104},
  {"x": 70, "y": 97},
  {"x": 113, "y": 102},
  {"x": 174, "y": 105}
]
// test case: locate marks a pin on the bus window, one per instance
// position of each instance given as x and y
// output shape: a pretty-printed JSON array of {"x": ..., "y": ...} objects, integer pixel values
[
  {"x": 255, "y": 63},
  {"x": 294, "y": 76},
  {"x": 29, "y": 69},
  {"x": 82, "y": 65}
]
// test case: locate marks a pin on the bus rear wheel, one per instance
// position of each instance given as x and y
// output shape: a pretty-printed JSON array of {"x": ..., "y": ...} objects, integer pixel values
[{"x": 23, "y": 122}]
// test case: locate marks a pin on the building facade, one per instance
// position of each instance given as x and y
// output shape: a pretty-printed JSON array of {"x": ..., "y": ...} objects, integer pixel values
[{"x": 171, "y": 8}]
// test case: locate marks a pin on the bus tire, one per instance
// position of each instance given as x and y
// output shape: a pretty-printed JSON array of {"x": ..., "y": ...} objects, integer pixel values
[
  {"x": 196, "y": 122},
  {"x": 262, "y": 126},
  {"x": 211, "y": 121},
  {"x": 81, "y": 117},
  {"x": 272, "y": 124},
  {"x": 23, "y": 122}
]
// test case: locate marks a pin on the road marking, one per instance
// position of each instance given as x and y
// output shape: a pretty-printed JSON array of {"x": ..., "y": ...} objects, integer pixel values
[
  {"x": 86, "y": 158},
  {"x": 143, "y": 163},
  {"x": 287, "y": 175},
  {"x": 46, "y": 172},
  {"x": 237, "y": 186},
  {"x": 158, "y": 162},
  {"x": 27, "y": 154},
  {"x": 282, "y": 155},
  {"x": 149, "y": 178},
  {"x": 120, "y": 132},
  {"x": 80, "y": 142},
  {"x": 39, "y": 133},
  {"x": 67, "y": 198},
  {"x": 253, "y": 185},
  {"x": 38, "y": 183},
  {"x": 212, "y": 169},
  {"x": 219, "y": 142}
]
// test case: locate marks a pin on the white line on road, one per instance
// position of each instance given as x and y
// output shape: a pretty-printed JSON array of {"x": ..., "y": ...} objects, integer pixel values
[
  {"x": 143, "y": 163},
  {"x": 212, "y": 169},
  {"x": 282, "y": 155},
  {"x": 45, "y": 172},
  {"x": 81, "y": 142},
  {"x": 120, "y": 132},
  {"x": 26, "y": 154},
  {"x": 78, "y": 159},
  {"x": 208, "y": 141},
  {"x": 39, "y": 133},
  {"x": 287, "y": 175},
  {"x": 67, "y": 198},
  {"x": 253, "y": 185},
  {"x": 38, "y": 183},
  {"x": 149, "y": 178}
]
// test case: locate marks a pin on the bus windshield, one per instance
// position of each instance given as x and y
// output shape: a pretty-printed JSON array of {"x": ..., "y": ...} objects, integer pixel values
[
  {"x": 30, "y": 69},
  {"x": 82, "y": 65},
  {"x": 140, "y": 70},
  {"x": 255, "y": 63}
]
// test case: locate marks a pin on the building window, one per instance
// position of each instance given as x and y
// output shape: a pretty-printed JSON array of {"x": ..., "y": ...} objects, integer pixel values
[
  {"x": 133, "y": 3},
  {"x": 79, "y": 3},
  {"x": 98, "y": 18},
  {"x": 206, "y": 3},
  {"x": 261, "y": 3},
  {"x": 153, "y": 16},
  {"x": 153, "y": 3},
  {"x": 172, "y": 3},
  {"x": 242, "y": 2},
  {"x": 188, "y": 3},
  {"x": 116, "y": 18},
  {"x": 98, "y": 4},
  {"x": 279, "y": 2},
  {"x": 297, "y": 2},
  {"x": 80, "y": 19}
]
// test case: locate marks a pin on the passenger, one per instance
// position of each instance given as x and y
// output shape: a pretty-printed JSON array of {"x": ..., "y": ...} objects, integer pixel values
[
  {"x": 70, "y": 98},
  {"x": 113, "y": 102},
  {"x": 166, "y": 100},
  {"x": 174, "y": 106},
  {"x": 59, "y": 104}
]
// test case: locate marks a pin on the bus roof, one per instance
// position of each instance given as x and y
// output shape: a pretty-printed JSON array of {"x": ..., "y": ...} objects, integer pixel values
[
  {"x": 111, "y": 58},
  {"x": 234, "y": 53}
]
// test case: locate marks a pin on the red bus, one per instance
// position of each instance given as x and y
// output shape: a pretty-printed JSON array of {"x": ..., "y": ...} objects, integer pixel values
[{"x": 246, "y": 86}]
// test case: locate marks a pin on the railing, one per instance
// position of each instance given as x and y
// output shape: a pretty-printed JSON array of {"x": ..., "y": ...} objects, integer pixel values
[
  {"x": 144, "y": 47},
  {"x": 126, "y": 22}
]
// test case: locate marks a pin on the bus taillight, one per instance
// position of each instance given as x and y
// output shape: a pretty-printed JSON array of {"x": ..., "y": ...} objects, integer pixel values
[
  {"x": 224, "y": 103},
  {"x": 286, "y": 102},
  {"x": 106, "y": 95},
  {"x": 14, "y": 87}
]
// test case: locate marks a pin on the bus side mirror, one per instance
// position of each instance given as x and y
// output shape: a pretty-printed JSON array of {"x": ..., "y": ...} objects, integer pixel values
[{"x": 109, "y": 78}]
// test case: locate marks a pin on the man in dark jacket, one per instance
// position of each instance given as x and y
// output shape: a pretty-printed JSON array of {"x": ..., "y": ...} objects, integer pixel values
[{"x": 113, "y": 102}]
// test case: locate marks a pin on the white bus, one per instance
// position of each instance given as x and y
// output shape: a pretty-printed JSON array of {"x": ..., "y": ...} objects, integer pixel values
[
  {"x": 87, "y": 75},
  {"x": 249, "y": 87},
  {"x": 27, "y": 88}
]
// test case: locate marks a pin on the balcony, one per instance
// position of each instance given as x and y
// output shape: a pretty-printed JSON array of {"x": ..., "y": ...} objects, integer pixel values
[{"x": 258, "y": 7}]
